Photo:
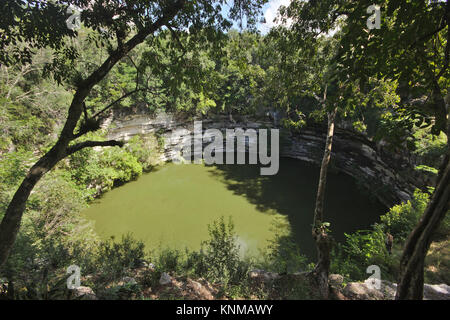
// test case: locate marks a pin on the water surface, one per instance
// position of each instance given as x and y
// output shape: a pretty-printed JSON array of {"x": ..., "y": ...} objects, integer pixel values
[{"x": 173, "y": 205}]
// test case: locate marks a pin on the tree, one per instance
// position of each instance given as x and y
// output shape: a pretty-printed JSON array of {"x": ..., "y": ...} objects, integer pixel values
[
  {"x": 312, "y": 59},
  {"x": 120, "y": 26},
  {"x": 307, "y": 59},
  {"x": 411, "y": 48}
]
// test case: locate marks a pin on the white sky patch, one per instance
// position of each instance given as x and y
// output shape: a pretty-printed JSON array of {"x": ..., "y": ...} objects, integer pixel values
[{"x": 271, "y": 13}]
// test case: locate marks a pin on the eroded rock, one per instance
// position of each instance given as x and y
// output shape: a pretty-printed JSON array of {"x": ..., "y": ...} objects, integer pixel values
[
  {"x": 367, "y": 291},
  {"x": 165, "y": 279},
  {"x": 83, "y": 293},
  {"x": 436, "y": 292},
  {"x": 263, "y": 275}
]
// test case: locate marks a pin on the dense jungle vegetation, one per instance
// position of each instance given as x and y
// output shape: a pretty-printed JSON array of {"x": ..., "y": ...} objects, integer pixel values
[{"x": 58, "y": 88}]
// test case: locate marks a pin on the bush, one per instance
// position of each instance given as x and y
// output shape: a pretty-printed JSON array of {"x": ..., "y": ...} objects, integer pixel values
[
  {"x": 170, "y": 260},
  {"x": 112, "y": 259},
  {"x": 429, "y": 148},
  {"x": 360, "y": 250},
  {"x": 52, "y": 236},
  {"x": 146, "y": 149},
  {"x": 401, "y": 219},
  {"x": 221, "y": 254},
  {"x": 218, "y": 260},
  {"x": 107, "y": 168},
  {"x": 122, "y": 292},
  {"x": 282, "y": 254},
  {"x": 364, "y": 248}
]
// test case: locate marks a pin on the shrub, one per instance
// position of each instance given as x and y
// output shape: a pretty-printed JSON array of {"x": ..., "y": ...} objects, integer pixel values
[
  {"x": 360, "y": 250},
  {"x": 105, "y": 168},
  {"x": 364, "y": 248},
  {"x": 429, "y": 148},
  {"x": 283, "y": 254},
  {"x": 401, "y": 219},
  {"x": 113, "y": 259},
  {"x": 221, "y": 254},
  {"x": 170, "y": 260},
  {"x": 145, "y": 149}
]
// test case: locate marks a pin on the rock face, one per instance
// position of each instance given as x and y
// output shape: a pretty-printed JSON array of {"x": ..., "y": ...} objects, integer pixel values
[
  {"x": 358, "y": 157},
  {"x": 352, "y": 153}
]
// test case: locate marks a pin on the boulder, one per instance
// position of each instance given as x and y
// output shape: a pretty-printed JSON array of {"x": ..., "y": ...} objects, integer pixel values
[
  {"x": 165, "y": 279},
  {"x": 263, "y": 275},
  {"x": 362, "y": 291},
  {"x": 128, "y": 280},
  {"x": 368, "y": 291},
  {"x": 336, "y": 280},
  {"x": 436, "y": 292},
  {"x": 83, "y": 293},
  {"x": 198, "y": 290}
]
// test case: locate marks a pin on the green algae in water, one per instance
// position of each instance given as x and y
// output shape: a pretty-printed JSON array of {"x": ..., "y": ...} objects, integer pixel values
[{"x": 173, "y": 205}]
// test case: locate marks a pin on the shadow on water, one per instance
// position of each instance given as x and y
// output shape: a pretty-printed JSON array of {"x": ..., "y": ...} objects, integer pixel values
[{"x": 291, "y": 193}]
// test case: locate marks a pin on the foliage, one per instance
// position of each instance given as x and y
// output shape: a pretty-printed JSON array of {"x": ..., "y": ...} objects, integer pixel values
[
  {"x": 221, "y": 254},
  {"x": 388, "y": 83},
  {"x": 429, "y": 148},
  {"x": 282, "y": 254},
  {"x": 13, "y": 167},
  {"x": 360, "y": 250},
  {"x": 401, "y": 219},
  {"x": 110, "y": 167},
  {"x": 146, "y": 149},
  {"x": 113, "y": 258},
  {"x": 30, "y": 105},
  {"x": 364, "y": 248},
  {"x": 53, "y": 235}
]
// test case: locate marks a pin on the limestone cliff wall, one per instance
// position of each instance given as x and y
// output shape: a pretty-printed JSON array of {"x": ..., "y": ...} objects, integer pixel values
[{"x": 388, "y": 177}]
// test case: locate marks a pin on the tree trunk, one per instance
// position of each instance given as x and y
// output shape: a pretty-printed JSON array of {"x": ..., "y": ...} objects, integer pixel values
[
  {"x": 10, "y": 224},
  {"x": 322, "y": 239},
  {"x": 412, "y": 263},
  {"x": 410, "y": 284},
  {"x": 9, "y": 227}
]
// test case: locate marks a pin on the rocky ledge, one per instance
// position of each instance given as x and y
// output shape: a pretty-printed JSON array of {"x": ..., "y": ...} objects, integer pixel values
[{"x": 389, "y": 177}]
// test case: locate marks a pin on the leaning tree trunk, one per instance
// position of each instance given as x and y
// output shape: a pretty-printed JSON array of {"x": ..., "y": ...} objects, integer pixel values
[
  {"x": 413, "y": 259},
  {"x": 320, "y": 235},
  {"x": 10, "y": 224},
  {"x": 410, "y": 284},
  {"x": 9, "y": 227}
]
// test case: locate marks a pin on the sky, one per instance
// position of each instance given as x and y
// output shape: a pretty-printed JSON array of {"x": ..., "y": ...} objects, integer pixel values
[{"x": 270, "y": 12}]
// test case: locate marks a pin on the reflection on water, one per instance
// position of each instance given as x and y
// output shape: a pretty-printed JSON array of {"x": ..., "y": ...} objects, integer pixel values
[{"x": 173, "y": 205}]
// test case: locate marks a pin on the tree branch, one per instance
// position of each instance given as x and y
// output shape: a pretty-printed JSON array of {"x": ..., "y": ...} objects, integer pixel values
[
  {"x": 85, "y": 86},
  {"x": 117, "y": 101},
  {"x": 177, "y": 39},
  {"x": 89, "y": 144}
]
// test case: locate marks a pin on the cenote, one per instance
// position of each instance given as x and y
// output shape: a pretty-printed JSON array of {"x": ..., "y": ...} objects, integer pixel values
[{"x": 173, "y": 205}]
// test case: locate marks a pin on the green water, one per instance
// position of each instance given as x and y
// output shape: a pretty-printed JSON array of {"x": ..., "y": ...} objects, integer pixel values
[{"x": 173, "y": 205}]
